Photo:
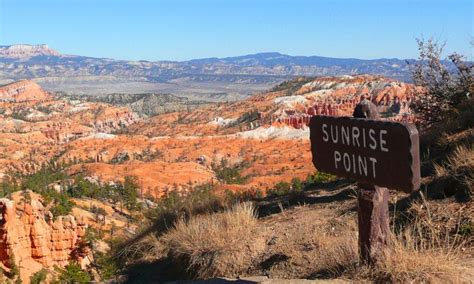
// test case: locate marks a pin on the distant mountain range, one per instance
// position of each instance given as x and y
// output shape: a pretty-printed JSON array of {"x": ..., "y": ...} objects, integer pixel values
[{"x": 198, "y": 78}]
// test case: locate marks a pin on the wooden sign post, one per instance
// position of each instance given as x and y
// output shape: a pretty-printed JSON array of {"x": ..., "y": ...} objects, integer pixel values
[{"x": 378, "y": 154}]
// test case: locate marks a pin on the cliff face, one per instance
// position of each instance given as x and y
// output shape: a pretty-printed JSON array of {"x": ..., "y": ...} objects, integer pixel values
[
  {"x": 22, "y": 91},
  {"x": 26, "y": 51},
  {"x": 32, "y": 240}
]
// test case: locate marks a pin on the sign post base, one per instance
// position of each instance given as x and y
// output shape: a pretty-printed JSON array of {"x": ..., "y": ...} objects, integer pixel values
[{"x": 374, "y": 227}]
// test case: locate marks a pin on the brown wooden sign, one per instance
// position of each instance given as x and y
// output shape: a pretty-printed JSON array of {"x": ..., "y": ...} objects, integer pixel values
[{"x": 377, "y": 152}]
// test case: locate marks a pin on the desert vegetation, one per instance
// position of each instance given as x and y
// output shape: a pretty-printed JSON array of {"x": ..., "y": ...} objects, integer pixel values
[
  {"x": 310, "y": 241},
  {"x": 229, "y": 244},
  {"x": 443, "y": 89},
  {"x": 43, "y": 182}
]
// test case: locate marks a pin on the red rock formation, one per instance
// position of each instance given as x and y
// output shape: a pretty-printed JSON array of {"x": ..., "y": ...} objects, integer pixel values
[
  {"x": 29, "y": 235},
  {"x": 112, "y": 122},
  {"x": 338, "y": 96},
  {"x": 23, "y": 91}
]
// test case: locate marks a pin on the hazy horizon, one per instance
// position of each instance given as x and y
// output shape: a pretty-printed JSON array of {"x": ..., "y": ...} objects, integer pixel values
[
  {"x": 183, "y": 30},
  {"x": 202, "y": 58}
]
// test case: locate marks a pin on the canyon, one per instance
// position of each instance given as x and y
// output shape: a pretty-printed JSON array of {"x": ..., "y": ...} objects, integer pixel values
[
  {"x": 264, "y": 138},
  {"x": 103, "y": 140}
]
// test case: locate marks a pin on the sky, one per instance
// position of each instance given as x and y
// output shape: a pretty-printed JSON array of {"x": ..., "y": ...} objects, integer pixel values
[{"x": 188, "y": 29}]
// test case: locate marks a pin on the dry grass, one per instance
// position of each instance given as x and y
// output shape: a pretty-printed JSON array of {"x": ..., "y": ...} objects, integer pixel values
[
  {"x": 314, "y": 253},
  {"x": 459, "y": 161},
  {"x": 308, "y": 242},
  {"x": 408, "y": 260},
  {"x": 318, "y": 242},
  {"x": 335, "y": 254},
  {"x": 456, "y": 174},
  {"x": 146, "y": 249},
  {"x": 424, "y": 251},
  {"x": 412, "y": 260},
  {"x": 220, "y": 244}
]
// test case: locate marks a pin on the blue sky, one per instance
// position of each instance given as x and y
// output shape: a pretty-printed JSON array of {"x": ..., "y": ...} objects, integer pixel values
[{"x": 186, "y": 29}]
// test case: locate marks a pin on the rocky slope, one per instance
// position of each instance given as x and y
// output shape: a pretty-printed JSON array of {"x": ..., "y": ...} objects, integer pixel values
[{"x": 22, "y": 91}]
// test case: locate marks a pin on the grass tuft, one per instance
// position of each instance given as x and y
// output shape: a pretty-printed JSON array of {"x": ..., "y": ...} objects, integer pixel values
[
  {"x": 408, "y": 260},
  {"x": 422, "y": 252},
  {"x": 459, "y": 162},
  {"x": 220, "y": 244},
  {"x": 458, "y": 169}
]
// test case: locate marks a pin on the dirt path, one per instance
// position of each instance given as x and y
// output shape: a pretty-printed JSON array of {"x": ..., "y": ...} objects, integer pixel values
[{"x": 301, "y": 238}]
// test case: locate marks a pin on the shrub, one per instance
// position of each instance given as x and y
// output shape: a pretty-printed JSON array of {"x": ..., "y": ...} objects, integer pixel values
[
  {"x": 120, "y": 158},
  {"x": 217, "y": 244},
  {"x": 129, "y": 192},
  {"x": 117, "y": 192},
  {"x": 432, "y": 264},
  {"x": 62, "y": 204},
  {"x": 107, "y": 265},
  {"x": 173, "y": 206},
  {"x": 145, "y": 249},
  {"x": 309, "y": 247},
  {"x": 84, "y": 188},
  {"x": 9, "y": 184},
  {"x": 44, "y": 109},
  {"x": 466, "y": 229},
  {"x": 280, "y": 189},
  {"x": 14, "y": 269},
  {"x": 39, "y": 181},
  {"x": 97, "y": 211},
  {"x": 91, "y": 235},
  {"x": 229, "y": 174},
  {"x": 443, "y": 89},
  {"x": 169, "y": 209},
  {"x": 39, "y": 277},
  {"x": 292, "y": 86},
  {"x": 248, "y": 116},
  {"x": 320, "y": 177},
  {"x": 259, "y": 194},
  {"x": 333, "y": 254},
  {"x": 459, "y": 166},
  {"x": 296, "y": 184},
  {"x": 72, "y": 273}
]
